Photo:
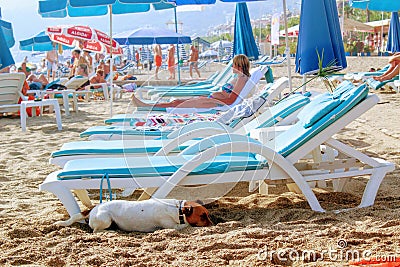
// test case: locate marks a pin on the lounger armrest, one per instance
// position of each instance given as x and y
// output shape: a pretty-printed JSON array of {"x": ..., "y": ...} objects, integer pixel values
[
  {"x": 267, "y": 134},
  {"x": 183, "y": 138},
  {"x": 219, "y": 139},
  {"x": 204, "y": 125}
]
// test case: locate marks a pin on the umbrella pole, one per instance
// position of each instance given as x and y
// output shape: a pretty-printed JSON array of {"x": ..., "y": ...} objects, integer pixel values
[
  {"x": 111, "y": 63},
  {"x": 287, "y": 50},
  {"x": 177, "y": 47}
]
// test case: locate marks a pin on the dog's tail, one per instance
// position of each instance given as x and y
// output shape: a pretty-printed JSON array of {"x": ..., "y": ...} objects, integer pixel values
[{"x": 75, "y": 218}]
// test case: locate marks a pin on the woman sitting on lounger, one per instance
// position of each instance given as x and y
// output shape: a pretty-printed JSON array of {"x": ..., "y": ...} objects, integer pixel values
[{"x": 227, "y": 96}]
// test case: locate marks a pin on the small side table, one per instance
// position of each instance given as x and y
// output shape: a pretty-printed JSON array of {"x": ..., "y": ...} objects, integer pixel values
[{"x": 41, "y": 104}]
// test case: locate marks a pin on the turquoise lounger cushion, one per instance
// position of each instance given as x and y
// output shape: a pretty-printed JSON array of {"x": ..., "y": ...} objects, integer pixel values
[
  {"x": 122, "y": 147},
  {"x": 342, "y": 87},
  {"x": 284, "y": 109},
  {"x": 374, "y": 84},
  {"x": 297, "y": 135},
  {"x": 122, "y": 130},
  {"x": 152, "y": 166},
  {"x": 318, "y": 108}
]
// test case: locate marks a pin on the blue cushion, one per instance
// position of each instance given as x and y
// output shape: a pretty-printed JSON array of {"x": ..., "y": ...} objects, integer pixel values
[
  {"x": 151, "y": 166},
  {"x": 316, "y": 109},
  {"x": 342, "y": 87},
  {"x": 297, "y": 135}
]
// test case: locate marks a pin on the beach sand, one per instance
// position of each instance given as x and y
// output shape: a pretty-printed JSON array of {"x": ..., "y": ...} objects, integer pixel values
[{"x": 248, "y": 227}]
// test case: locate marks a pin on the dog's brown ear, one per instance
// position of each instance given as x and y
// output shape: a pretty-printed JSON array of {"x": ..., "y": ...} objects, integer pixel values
[
  {"x": 187, "y": 210},
  {"x": 198, "y": 201}
]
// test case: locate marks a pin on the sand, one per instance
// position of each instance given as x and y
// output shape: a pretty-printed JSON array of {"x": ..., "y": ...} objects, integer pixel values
[{"x": 248, "y": 227}]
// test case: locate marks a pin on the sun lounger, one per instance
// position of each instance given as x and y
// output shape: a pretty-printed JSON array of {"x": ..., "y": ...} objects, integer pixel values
[
  {"x": 374, "y": 84},
  {"x": 216, "y": 160},
  {"x": 11, "y": 91},
  {"x": 283, "y": 113},
  {"x": 269, "y": 93},
  {"x": 356, "y": 76},
  {"x": 219, "y": 79},
  {"x": 107, "y": 132}
]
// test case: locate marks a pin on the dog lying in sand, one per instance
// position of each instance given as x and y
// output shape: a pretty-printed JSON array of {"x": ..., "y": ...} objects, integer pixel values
[{"x": 143, "y": 216}]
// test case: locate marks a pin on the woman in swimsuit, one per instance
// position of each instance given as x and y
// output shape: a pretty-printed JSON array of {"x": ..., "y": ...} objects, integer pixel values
[{"x": 228, "y": 94}]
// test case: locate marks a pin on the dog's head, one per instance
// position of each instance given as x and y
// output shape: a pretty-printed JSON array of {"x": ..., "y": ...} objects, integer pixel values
[{"x": 196, "y": 215}]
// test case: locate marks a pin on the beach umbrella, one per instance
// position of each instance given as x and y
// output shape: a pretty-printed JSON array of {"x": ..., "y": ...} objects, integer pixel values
[
  {"x": 209, "y": 54},
  {"x": 393, "y": 42},
  {"x": 319, "y": 36},
  {"x": 376, "y": 5},
  {"x": 6, "y": 59},
  {"x": 39, "y": 42},
  {"x": 243, "y": 39},
  {"x": 89, "y": 38},
  {"x": 149, "y": 36},
  {"x": 8, "y": 33},
  {"x": 223, "y": 43}
]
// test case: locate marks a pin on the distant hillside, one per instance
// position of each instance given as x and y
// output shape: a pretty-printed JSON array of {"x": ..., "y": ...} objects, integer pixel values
[{"x": 199, "y": 22}]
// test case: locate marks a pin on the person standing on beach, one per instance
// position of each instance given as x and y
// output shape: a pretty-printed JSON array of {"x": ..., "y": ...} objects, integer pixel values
[
  {"x": 157, "y": 58},
  {"x": 171, "y": 62},
  {"x": 193, "y": 61},
  {"x": 52, "y": 60},
  {"x": 78, "y": 60}
]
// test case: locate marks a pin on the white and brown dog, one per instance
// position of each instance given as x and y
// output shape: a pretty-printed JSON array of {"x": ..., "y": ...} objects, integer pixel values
[{"x": 143, "y": 216}]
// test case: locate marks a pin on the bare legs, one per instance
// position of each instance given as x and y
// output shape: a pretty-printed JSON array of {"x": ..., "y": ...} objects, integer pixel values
[
  {"x": 191, "y": 67},
  {"x": 196, "y": 102},
  {"x": 157, "y": 69},
  {"x": 389, "y": 74}
]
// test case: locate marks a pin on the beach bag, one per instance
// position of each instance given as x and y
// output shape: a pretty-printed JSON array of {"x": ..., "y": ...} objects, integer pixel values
[{"x": 57, "y": 86}]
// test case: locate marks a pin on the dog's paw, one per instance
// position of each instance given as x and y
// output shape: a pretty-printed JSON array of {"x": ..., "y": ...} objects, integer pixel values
[{"x": 61, "y": 223}]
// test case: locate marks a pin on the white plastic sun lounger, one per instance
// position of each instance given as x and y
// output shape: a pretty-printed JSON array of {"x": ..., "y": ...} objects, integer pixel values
[
  {"x": 283, "y": 113},
  {"x": 215, "y": 159}
]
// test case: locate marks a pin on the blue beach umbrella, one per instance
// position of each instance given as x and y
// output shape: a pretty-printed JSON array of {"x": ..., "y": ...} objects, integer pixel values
[
  {"x": 376, "y": 5},
  {"x": 8, "y": 33},
  {"x": 243, "y": 39},
  {"x": 149, "y": 36},
  {"x": 6, "y": 40},
  {"x": 393, "y": 43},
  {"x": 319, "y": 34},
  {"x": 39, "y": 42}
]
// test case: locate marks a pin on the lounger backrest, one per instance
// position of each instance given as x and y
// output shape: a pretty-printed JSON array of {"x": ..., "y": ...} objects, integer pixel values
[
  {"x": 76, "y": 83},
  {"x": 316, "y": 116},
  {"x": 255, "y": 77},
  {"x": 10, "y": 90},
  {"x": 226, "y": 71}
]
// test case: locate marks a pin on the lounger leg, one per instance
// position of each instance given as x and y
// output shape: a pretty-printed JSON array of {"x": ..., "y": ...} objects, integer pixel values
[
  {"x": 83, "y": 197},
  {"x": 372, "y": 188},
  {"x": 147, "y": 193},
  {"x": 64, "y": 195}
]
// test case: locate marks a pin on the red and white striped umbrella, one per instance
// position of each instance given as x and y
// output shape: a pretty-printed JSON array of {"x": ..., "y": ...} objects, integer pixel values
[{"x": 85, "y": 37}]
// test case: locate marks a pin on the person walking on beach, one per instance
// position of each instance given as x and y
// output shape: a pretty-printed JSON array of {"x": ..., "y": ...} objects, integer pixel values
[
  {"x": 227, "y": 96},
  {"x": 193, "y": 61},
  {"x": 171, "y": 62},
  {"x": 52, "y": 60},
  {"x": 157, "y": 58}
]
